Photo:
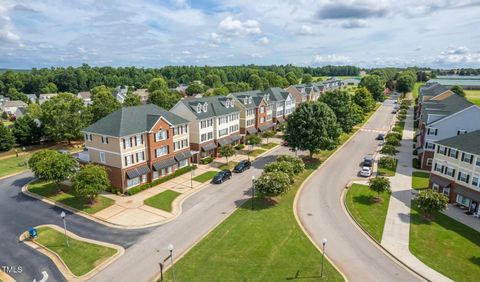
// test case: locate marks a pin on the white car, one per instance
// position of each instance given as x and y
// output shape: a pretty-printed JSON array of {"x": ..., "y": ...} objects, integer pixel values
[{"x": 366, "y": 171}]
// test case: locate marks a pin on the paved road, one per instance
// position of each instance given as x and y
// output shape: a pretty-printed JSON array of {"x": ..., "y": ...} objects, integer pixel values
[{"x": 320, "y": 210}]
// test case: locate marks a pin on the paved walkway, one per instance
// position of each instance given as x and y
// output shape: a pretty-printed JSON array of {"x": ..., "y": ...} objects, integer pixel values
[
  {"x": 396, "y": 233},
  {"x": 460, "y": 216}
]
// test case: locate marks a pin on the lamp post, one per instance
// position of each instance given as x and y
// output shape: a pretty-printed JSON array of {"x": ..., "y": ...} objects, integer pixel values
[
  {"x": 253, "y": 189},
  {"x": 62, "y": 214},
  {"x": 324, "y": 242},
  {"x": 170, "y": 248}
]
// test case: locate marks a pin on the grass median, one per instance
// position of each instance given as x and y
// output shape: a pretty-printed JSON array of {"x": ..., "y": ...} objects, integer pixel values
[
  {"x": 204, "y": 177},
  {"x": 65, "y": 195},
  {"x": 388, "y": 171},
  {"x": 163, "y": 200},
  {"x": 80, "y": 257},
  {"x": 446, "y": 245},
  {"x": 369, "y": 214},
  {"x": 13, "y": 165},
  {"x": 269, "y": 146},
  {"x": 257, "y": 152},
  {"x": 420, "y": 180}
]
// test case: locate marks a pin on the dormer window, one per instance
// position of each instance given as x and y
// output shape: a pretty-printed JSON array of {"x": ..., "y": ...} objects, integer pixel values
[
  {"x": 199, "y": 108},
  {"x": 205, "y": 107},
  {"x": 249, "y": 100},
  {"x": 227, "y": 104},
  {"x": 245, "y": 100},
  {"x": 231, "y": 103}
]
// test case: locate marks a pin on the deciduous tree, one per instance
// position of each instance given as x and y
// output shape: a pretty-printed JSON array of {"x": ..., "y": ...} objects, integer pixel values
[
  {"x": 375, "y": 86},
  {"x": 90, "y": 181},
  {"x": 268, "y": 134},
  {"x": 379, "y": 184},
  {"x": 364, "y": 99},
  {"x": 53, "y": 166},
  {"x": 458, "y": 90},
  {"x": 164, "y": 98},
  {"x": 6, "y": 138},
  {"x": 272, "y": 184},
  {"x": 26, "y": 131},
  {"x": 131, "y": 100},
  {"x": 227, "y": 151},
  {"x": 297, "y": 163},
  {"x": 281, "y": 166},
  {"x": 341, "y": 104},
  {"x": 103, "y": 103},
  {"x": 429, "y": 202}
]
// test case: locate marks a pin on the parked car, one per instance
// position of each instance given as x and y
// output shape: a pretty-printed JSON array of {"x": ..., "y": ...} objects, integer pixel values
[
  {"x": 366, "y": 171},
  {"x": 242, "y": 166},
  {"x": 222, "y": 176},
  {"x": 394, "y": 111},
  {"x": 368, "y": 161},
  {"x": 284, "y": 143},
  {"x": 381, "y": 137}
]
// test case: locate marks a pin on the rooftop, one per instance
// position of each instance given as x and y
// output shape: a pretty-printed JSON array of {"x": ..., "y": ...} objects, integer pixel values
[{"x": 469, "y": 142}]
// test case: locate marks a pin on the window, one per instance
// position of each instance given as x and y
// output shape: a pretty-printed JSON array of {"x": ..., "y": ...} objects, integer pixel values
[
  {"x": 478, "y": 161},
  {"x": 139, "y": 139},
  {"x": 133, "y": 182},
  {"x": 128, "y": 160},
  {"x": 199, "y": 108},
  {"x": 88, "y": 137},
  {"x": 262, "y": 120},
  {"x": 127, "y": 143},
  {"x": 141, "y": 156},
  {"x": 450, "y": 171},
  {"x": 262, "y": 110},
  {"x": 102, "y": 157},
  {"x": 222, "y": 132},
  {"x": 162, "y": 151},
  {"x": 144, "y": 178},
  {"x": 463, "y": 200},
  {"x": 475, "y": 181},
  {"x": 435, "y": 187},
  {"x": 462, "y": 176},
  {"x": 250, "y": 122},
  {"x": 233, "y": 128},
  {"x": 446, "y": 191},
  {"x": 250, "y": 112},
  {"x": 467, "y": 158},
  {"x": 169, "y": 170},
  {"x": 429, "y": 145},
  {"x": 432, "y": 131},
  {"x": 210, "y": 135},
  {"x": 155, "y": 174},
  {"x": 442, "y": 150},
  {"x": 429, "y": 162},
  {"x": 182, "y": 163},
  {"x": 161, "y": 135},
  {"x": 104, "y": 140},
  {"x": 461, "y": 131},
  {"x": 438, "y": 168},
  {"x": 453, "y": 153}
]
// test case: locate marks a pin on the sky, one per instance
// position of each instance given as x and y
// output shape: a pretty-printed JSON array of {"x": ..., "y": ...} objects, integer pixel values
[{"x": 155, "y": 33}]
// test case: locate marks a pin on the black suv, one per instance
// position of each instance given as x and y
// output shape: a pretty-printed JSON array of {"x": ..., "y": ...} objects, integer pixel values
[
  {"x": 221, "y": 176},
  {"x": 368, "y": 161},
  {"x": 242, "y": 166}
]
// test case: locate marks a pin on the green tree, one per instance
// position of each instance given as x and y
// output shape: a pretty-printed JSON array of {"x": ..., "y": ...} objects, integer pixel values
[
  {"x": 341, "y": 104},
  {"x": 312, "y": 127},
  {"x": 103, "y": 104},
  {"x": 27, "y": 131},
  {"x": 458, "y": 90},
  {"x": 34, "y": 111},
  {"x": 379, "y": 184},
  {"x": 164, "y": 99},
  {"x": 131, "y": 100},
  {"x": 172, "y": 83},
  {"x": 14, "y": 94},
  {"x": 307, "y": 78},
  {"x": 6, "y": 138},
  {"x": 291, "y": 78},
  {"x": 227, "y": 151},
  {"x": 429, "y": 202},
  {"x": 364, "y": 99},
  {"x": 389, "y": 150},
  {"x": 4, "y": 115},
  {"x": 221, "y": 91},
  {"x": 255, "y": 82},
  {"x": 392, "y": 140},
  {"x": 157, "y": 83},
  {"x": 405, "y": 83},
  {"x": 49, "y": 88},
  {"x": 375, "y": 85},
  {"x": 90, "y": 181},
  {"x": 63, "y": 117},
  {"x": 194, "y": 88},
  {"x": 297, "y": 163},
  {"x": 101, "y": 88},
  {"x": 281, "y": 166},
  {"x": 272, "y": 184},
  {"x": 213, "y": 81},
  {"x": 268, "y": 134},
  {"x": 253, "y": 139},
  {"x": 50, "y": 165},
  {"x": 387, "y": 162}
]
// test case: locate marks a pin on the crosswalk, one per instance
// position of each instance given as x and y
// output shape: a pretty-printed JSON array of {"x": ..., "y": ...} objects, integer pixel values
[{"x": 377, "y": 130}]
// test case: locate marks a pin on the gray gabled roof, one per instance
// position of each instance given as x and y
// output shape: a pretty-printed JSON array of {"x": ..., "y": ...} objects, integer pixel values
[
  {"x": 276, "y": 94},
  {"x": 216, "y": 106},
  {"x": 256, "y": 96},
  {"x": 431, "y": 90},
  {"x": 133, "y": 120},
  {"x": 447, "y": 106},
  {"x": 469, "y": 142}
]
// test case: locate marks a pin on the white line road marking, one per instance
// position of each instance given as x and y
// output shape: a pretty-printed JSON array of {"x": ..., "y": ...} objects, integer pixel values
[{"x": 44, "y": 278}]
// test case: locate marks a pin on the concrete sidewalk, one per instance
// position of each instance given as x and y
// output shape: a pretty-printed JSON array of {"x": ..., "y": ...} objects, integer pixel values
[{"x": 396, "y": 233}]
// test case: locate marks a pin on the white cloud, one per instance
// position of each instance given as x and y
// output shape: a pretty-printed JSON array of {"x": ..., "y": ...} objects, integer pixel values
[
  {"x": 305, "y": 30},
  {"x": 186, "y": 52},
  {"x": 332, "y": 59},
  {"x": 460, "y": 50},
  {"x": 263, "y": 41},
  {"x": 7, "y": 32},
  {"x": 81, "y": 50},
  {"x": 355, "y": 23},
  {"x": 256, "y": 55},
  {"x": 458, "y": 57},
  {"x": 231, "y": 27}
]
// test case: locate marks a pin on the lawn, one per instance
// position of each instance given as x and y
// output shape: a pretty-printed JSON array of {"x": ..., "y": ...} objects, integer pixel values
[
  {"x": 13, "y": 165},
  {"x": 269, "y": 146},
  {"x": 370, "y": 215},
  {"x": 473, "y": 96},
  {"x": 388, "y": 171},
  {"x": 446, "y": 245},
  {"x": 230, "y": 165},
  {"x": 204, "y": 177},
  {"x": 68, "y": 197},
  {"x": 416, "y": 88},
  {"x": 420, "y": 180},
  {"x": 80, "y": 257},
  {"x": 256, "y": 152},
  {"x": 163, "y": 200}
]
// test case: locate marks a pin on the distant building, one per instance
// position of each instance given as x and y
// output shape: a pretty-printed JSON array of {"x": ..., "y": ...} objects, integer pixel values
[
  {"x": 86, "y": 97},
  {"x": 120, "y": 93},
  {"x": 466, "y": 82},
  {"x": 353, "y": 81},
  {"x": 32, "y": 97},
  {"x": 45, "y": 97},
  {"x": 11, "y": 107},
  {"x": 143, "y": 94}
]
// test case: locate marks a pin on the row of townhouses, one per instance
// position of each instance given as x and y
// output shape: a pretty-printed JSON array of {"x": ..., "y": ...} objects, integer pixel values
[
  {"x": 139, "y": 144},
  {"x": 447, "y": 142}
]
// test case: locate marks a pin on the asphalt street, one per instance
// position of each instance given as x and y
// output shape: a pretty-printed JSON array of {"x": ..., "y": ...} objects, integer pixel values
[{"x": 321, "y": 213}]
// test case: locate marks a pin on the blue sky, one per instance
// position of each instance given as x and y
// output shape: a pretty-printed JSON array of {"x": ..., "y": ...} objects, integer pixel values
[{"x": 154, "y": 33}]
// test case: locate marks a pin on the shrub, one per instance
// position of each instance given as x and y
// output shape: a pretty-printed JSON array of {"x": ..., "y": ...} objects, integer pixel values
[
  {"x": 415, "y": 163},
  {"x": 394, "y": 135},
  {"x": 240, "y": 146},
  {"x": 281, "y": 166},
  {"x": 206, "y": 160},
  {"x": 398, "y": 129},
  {"x": 392, "y": 141},
  {"x": 272, "y": 184},
  {"x": 177, "y": 172},
  {"x": 389, "y": 150},
  {"x": 401, "y": 117},
  {"x": 387, "y": 162},
  {"x": 379, "y": 184},
  {"x": 429, "y": 202},
  {"x": 298, "y": 164}
]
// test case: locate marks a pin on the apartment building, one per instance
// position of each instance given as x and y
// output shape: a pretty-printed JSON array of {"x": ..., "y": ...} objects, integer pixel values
[
  {"x": 282, "y": 102},
  {"x": 456, "y": 169},
  {"x": 443, "y": 116},
  {"x": 138, "y": 144},
  {"x": 213, "y": 121},
  {"x": 304, "y": 92}
]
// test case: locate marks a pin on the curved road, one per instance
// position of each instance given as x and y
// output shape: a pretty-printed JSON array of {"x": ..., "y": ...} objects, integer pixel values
[{"x": 320, "y": 209}]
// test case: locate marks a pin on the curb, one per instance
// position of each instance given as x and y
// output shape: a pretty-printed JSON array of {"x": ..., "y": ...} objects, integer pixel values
[
  {"x": 61, "y": 265},
  {"x": 368, "y": 236},
  {"x": 13, "y": 174},
  {"x": 5, "y": 277}
]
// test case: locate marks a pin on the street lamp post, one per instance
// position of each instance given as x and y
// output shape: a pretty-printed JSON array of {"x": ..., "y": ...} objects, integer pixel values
[
  {"x": 324, "y": 242},
  {"x": 170, "y": 248},
  {"x": 65, "y": 227},
  {"x": 253, "y": 189}
]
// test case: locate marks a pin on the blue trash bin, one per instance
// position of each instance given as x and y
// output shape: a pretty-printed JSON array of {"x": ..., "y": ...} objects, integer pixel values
[{"x": 33, "y": 233}]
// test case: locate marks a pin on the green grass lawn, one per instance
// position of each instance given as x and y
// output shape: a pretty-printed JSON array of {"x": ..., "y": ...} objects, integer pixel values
[
  {"x": 80, "y": 257},
  {"x": 13, "y": 165},
  {"x": 388, "y": 171},
  {"x": 269, "y": 146},
  {"x": 163, "y": 200},
  {"x": 68, "y": 197},
  {"x": 473, "y": 96},
  {"x": 446, "y": 245},
  {"x": 204, "y": 177},
  {"x": 420, "y": 180},
  {"x": 370, "y": 215},
  {"x": 257, "y": 152},
  {"x": 416, "y": 88},
  {"x": 230, "y": 165}
]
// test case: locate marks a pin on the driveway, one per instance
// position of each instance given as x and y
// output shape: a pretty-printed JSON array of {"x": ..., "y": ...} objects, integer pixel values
[
  {"x": 144, "y": 247},
  {"x": 321, "y": 212}
]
